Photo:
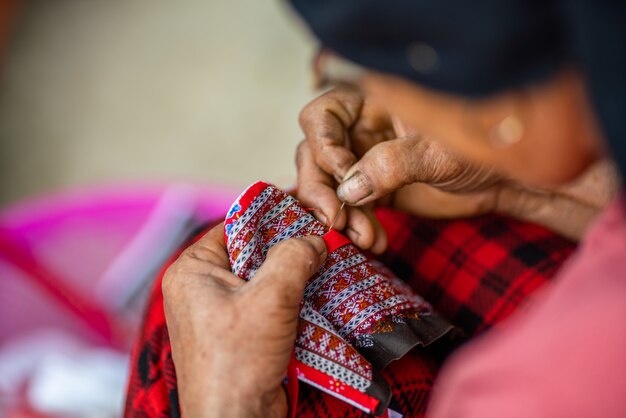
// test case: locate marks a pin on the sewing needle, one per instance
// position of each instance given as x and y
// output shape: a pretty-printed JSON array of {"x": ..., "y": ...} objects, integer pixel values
[{"x": 337, "y": 215}]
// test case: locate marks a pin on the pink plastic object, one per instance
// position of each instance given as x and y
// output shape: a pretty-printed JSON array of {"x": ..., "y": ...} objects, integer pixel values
[{"x": 77, "y": 260}]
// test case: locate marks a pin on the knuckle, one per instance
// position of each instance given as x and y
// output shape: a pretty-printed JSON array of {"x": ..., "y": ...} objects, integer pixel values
[
  {"x": 334, "y": 160},
  {"x": 294, "y": 251},
  {"x": 177, "y": 274},
  {"x": 192, "y": 261},
  {"x": 275, "y": 252},
  {"x": 303, "y": 116},
  {"x": 171, "y": 282},
  {"x": 404, "y": 155},
  {"x": 421, "y": 161},
  {"x": 437, "y": 164},
  {"x": 180, "y": 277},
  {"x": 301, "y": 153},
  {"x": 308, "y": 111},
  {"x": 281, "y": 249},
  {"x": 189, "y": 257},
  {"x": 305, "y": 249},
  {"x": 277, "y": 297},
  {"x": 365, "y": 240},
  {"x": 199, "y": 254},
  {"x": 386, "y": 162},
  {"x": 386, "y": 151}
]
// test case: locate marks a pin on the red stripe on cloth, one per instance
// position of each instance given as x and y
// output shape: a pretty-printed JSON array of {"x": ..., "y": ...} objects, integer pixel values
[
  {"x": 330, "y": 385},
  {"x": 334, "y": 240},
  {"x": 292, "y": 386}
]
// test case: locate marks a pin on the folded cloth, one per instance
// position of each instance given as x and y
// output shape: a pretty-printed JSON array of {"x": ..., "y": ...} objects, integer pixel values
[{"x": 356, "y": 315}]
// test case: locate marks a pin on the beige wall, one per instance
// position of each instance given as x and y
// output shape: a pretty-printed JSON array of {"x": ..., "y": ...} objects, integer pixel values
[{"x": 100, "y": 91}]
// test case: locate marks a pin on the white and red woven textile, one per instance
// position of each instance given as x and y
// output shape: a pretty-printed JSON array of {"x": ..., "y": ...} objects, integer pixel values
[{"x": 356, "y": 315}]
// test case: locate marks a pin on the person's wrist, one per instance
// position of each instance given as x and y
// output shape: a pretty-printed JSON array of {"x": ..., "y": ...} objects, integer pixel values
[
  {"x": 208, "y": 387},
  {"x": 230, "y": 402},
  {"x": 224, "y": 405},
  {"x": 518, "y": 201},
  {"x": 227, "y": 393},
  {"x": 563, "y": 215}
]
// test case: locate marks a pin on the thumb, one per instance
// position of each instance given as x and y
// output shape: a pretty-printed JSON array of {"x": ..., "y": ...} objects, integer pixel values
[
  {"x": 288, "y": 267},
  {"x": 385, "y": 168}
]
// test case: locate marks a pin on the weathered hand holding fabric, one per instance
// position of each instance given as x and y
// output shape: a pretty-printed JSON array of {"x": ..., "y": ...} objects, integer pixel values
[
  {"x": 231, "y": 340},
  {"x": 356, "y": 316}
]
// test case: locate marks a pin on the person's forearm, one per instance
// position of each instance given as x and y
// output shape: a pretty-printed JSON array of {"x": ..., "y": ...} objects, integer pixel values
[
  {"x": 562, "y": 214},
  {"x": 596, "y": 187},
  {"x": 568, "y": 210},
  {"x": 232, "y": 406}
]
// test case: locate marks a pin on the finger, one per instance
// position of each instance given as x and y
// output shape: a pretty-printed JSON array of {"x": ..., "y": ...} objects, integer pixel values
[
  {"x": 287, "y": 268},
  {"x": 372, "y": 127},
  {"x": 212, "y": 248},
  {"x": 316, "y": 189},
  {"x": 385, "y": 168},
  {"x": 360, "y": 228},
  {"x": 325, "y": 123},
  {"x": 207, "y": 258},
  {"x": 365, "y": 231},
  {"x": 380, "y": 235}
]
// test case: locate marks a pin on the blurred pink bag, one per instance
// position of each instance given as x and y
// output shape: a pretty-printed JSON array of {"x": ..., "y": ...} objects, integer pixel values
[{"x": 80, "y": 260}]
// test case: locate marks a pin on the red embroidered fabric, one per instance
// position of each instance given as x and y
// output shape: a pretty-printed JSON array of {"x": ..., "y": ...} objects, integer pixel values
[
  {"x": 475, "y": 272},
  {"x": 356, "y": 315}
]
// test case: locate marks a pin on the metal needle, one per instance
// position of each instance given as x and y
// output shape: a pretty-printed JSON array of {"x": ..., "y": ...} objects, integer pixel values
[{"x": 337, "y": 215}]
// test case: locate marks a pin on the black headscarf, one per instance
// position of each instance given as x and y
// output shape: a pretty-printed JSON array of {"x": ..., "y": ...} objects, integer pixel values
[{"x": 479, "y": 47}]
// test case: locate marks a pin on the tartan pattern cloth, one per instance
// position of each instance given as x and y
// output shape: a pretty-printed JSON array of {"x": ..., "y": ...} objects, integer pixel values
[
  {"x": 475, "y": 272},
  {"x": 356, "y": 315}
]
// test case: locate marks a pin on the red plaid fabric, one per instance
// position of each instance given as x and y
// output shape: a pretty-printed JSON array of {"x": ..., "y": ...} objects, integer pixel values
[
  {"x": 357, "y": 316},
  {"x": 474, "y": 272}
]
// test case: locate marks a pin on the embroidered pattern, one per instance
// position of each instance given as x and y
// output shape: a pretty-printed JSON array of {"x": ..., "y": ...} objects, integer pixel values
[
  {"x": 436, "y": 255},
  {"x": 350, "y": 304}
]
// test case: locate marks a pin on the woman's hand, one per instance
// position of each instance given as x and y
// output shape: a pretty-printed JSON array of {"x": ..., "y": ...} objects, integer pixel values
[
  {"x": 232, "y": 340},
  {"x": 354, "y": 152}
]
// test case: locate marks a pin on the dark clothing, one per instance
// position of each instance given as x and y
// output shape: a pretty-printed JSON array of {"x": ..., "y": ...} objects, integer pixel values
[
  {"x": 476, "y": 48},
  {"x": 475, "y": 272}
]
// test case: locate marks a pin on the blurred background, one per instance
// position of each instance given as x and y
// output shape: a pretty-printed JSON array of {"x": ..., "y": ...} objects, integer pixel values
[{"x": 123, "y": 126}]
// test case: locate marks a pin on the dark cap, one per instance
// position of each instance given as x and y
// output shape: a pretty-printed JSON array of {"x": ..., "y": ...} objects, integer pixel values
[
  {"x": 467, "y": 47},
  {"x": 480, "y": 47}
]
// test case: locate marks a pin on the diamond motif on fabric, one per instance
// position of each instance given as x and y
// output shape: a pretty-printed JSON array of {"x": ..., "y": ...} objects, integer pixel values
[{"x": 356, "y": 316}]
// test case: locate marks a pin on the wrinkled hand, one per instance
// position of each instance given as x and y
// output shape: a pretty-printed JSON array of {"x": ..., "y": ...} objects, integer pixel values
[
  {"x": 232, "y": 340},
  {"x": 356, "y": 153}
]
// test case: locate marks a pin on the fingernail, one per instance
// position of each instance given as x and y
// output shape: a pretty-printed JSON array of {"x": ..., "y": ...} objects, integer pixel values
[
  {"x": 319, "y": 245},
  {"x": 357, "y": 187}
]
